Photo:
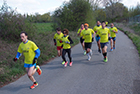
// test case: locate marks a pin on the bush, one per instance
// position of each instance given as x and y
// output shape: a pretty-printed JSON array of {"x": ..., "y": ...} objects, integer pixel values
[{"x": 12, "y": 24}]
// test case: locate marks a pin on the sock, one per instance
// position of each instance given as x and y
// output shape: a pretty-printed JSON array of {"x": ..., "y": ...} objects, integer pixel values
[
  {"x": 88, "y": 54},
  {"x": 105, "y": 54}
]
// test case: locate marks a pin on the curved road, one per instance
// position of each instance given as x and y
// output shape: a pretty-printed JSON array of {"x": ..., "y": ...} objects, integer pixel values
[{"x": 120, "y": 75}]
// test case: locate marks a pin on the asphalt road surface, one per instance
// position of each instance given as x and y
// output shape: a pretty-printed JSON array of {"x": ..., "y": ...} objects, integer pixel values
[{"x": 120, "y": 75}]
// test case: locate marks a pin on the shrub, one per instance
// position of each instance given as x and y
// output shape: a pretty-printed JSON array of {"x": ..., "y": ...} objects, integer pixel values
[{"x": 12, "y": 24}]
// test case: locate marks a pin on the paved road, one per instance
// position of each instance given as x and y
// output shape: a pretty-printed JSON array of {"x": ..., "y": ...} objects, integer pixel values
[{"x": 121, "y": 75}]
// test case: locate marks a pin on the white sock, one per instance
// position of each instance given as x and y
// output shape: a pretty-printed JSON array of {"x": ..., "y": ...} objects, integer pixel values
[{"x": 90, "y": 52}]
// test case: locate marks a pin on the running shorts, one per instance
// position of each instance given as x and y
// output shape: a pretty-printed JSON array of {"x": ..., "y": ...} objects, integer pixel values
[
  {"x": 104, "y": 44},
  {"x": 88, "y": 45},
  {"x": 97, "y": 38},
  {"x": 59, "y": 47},
  {"x": 29, "y": 65},
  {"x": 81, "y": 40}
]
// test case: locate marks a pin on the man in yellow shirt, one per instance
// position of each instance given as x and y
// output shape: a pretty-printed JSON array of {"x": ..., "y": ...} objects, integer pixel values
[
  {"x": 104, "y": 34},
  {"x": 113, "y": 31},
  {"x": 88, "y": 36},
  {"x": 57, "y": 42},
  {"x": 96, "y": 28},
  {"x": 31, "y": 52},
  {"x": 81, "y": 39}
]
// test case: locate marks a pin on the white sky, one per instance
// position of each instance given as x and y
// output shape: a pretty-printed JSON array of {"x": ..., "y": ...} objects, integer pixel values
[{"x": 44, "y": 6}]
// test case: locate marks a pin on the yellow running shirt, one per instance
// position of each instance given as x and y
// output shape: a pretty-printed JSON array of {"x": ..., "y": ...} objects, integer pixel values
[
  {"x": 80, "y": 30},
  {"x": 66, "y": 45},
  {"x": 28, "y": 50},
  {"x": 103, "y": 33},
  {"x": 87, "y": 35},
  {"x": 113, "y": 34},
  {"x": 58, "y": 37},
  {"x": 96, "y": 28}
]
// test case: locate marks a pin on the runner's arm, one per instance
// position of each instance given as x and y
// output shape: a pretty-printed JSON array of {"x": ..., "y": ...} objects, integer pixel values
[
  {"x": 71, "y": 42},
  {"x": 18, "y": 55},
  {"x": 37, "y": 53}
]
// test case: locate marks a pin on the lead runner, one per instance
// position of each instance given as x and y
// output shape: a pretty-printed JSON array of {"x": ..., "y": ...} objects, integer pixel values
[{"x": 31, "y": 52}]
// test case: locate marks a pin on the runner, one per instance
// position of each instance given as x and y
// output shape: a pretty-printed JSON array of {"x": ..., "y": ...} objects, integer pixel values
[
  {"x": 66, "y": 47},
  {"x": 81, "y": 39},
  {"x": 96, "y": 28},
  {"x": 104, "y": 34},
  {"x": 88, "y": 36},
  {"x": 113, "y": 31},
  {"x": 57, "y": 38},
  {"x": 31, "y": 52}
]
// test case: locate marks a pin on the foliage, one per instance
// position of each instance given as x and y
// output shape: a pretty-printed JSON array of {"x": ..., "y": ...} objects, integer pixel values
[
  {"x": 133, "y": 11},
  {"x": 12, "y": 23},
  {"x": 71, "y": 14},
  {"x": 37, "y": 18},
  {"x": 116, "y": 11}
]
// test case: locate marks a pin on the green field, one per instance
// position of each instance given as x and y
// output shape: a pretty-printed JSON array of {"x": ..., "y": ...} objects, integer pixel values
[
  {"x": 43, "y": 27},
  {"x": 10, "y": 71}
]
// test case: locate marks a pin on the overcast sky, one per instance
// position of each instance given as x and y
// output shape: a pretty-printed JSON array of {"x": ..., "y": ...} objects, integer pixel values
[{"x": 44, "y": 6}]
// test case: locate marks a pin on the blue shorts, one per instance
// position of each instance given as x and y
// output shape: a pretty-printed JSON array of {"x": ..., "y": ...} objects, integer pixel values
[
  {"x": 97, "y": 38},
  {"x": 104, "y": 44},
  {"x": 29, "y": 65},
  {"x": 114, "y": 38}
]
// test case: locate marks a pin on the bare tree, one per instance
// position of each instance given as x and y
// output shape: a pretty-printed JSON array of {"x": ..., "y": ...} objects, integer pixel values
[{"x": 110, "y": 2}]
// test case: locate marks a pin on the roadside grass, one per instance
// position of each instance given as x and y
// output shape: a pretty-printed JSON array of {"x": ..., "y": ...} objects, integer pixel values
[
  {"x": 11, "y": 71},
  {"x": 136, "y": 28},
  {"x": 135, "y": 37}
]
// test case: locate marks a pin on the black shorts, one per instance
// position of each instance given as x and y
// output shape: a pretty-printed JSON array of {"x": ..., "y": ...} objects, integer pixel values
[
  {"x": 81, "y": 40},
  {"x": 88, "y": 45},
  {"x": 113, "y": 38},
  {"x": 104, "y": 44}
]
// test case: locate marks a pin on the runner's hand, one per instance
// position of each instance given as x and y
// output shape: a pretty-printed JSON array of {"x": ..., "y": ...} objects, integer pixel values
[
  {"x": 15, "y": 59},
  {"x": 55, "y": 44},
  {"x": 67, "y": 42},
  {"x": 92, "y": 39},
  {"x": 60, "y": 41},
  {"x": 34, "y": 61}
]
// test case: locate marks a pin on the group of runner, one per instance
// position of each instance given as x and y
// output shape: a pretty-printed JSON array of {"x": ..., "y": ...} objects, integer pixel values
[
  {"x": 62, "y": 41},
  {"x": 102, "y": 35}
]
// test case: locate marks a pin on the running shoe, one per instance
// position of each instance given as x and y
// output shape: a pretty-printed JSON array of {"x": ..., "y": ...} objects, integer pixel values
[
  {"x": 89, "y": 57},
  {"x": 34, "y": 85},
  {"x": 71, "y": 64},
  {"x": 63, "y": 62},
  {"x": 39, "y": 71},
  {"x": 65, "y": 65},
  {"x": 84, "y": 52},
  {"x": 114, "y": 48},
  {"x": 111, "y": 50},
  {"x": 105, "y": 59}
]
